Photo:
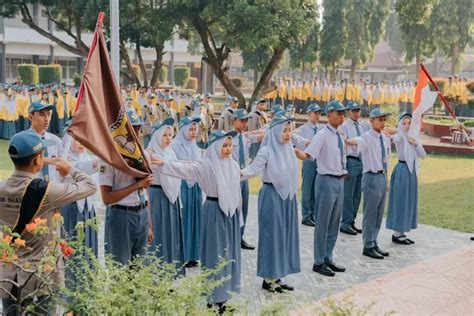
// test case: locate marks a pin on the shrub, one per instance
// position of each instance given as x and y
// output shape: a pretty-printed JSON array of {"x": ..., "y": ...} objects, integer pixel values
[
  {"x": 163, "y": 77},
  {"x": 28, "y": 73},
  {"x": 192, "y": 83},
  {"x": 238, "y": 81},
  {"x": 50, "y": 73},
  {"x": 181, "y": 76},
  {"x": 77, "y": 80}
]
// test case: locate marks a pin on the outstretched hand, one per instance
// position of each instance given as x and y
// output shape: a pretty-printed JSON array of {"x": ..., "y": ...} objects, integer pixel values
[{"x": 157, "y": 161}]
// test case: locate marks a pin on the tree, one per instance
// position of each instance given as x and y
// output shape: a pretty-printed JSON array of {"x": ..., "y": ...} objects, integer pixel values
[
  {"x": 393, "y": 33},
  {"x": 256, "y": 61},
  {"x": 305, "y": 52},
  {"x": 333, "y": 35},
  {"x": 452, "y": 22},
  {"x": 414, "y": 21}
]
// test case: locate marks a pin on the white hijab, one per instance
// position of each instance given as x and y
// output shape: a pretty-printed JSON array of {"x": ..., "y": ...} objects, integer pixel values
[
  {"x": 171, "y": 186},
  {"x": 409, "y": 152},
  {"x": 185, "y": 148},
  {"x": 282, "y": 167},
  {"x": 227, "y": 177}
]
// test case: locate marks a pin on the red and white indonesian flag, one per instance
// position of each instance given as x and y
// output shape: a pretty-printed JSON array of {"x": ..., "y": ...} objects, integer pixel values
[{"x": 423, "y": 100}]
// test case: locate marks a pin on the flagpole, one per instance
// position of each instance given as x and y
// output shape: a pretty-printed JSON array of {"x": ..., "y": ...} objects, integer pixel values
[{"x": 114, "y": 39}]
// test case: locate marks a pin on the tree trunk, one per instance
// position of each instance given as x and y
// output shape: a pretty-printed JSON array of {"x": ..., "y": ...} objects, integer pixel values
[
  {"x": 353, "y": 69},
  {"x": 454, "y": 58},
  {"x": 142, "y": 64},
  {"x": 267, "y": 74},
  {"x": 255, "y": 77},
  {"x": 126, "y": 58},
  {"x": 417, "y": 63},
  {"x": 159, "y": 49},
  {"x": 303, "y": 71}
]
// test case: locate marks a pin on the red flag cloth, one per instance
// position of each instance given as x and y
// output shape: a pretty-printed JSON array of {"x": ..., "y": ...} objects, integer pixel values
[{"x": 101, "y": 123}]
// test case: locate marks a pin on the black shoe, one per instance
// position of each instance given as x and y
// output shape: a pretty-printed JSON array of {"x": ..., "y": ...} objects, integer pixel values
[
  {"x": 308, "y": 222},
  {"x": 191, "y": 264},
  {"x": 357, "y": 230},
  {"x": 323, "y": 269},
  {"x": 380, "y": 251},
  {"x": 348, "y": 230},
  {"x": 334, "y": 267},
  {"x": 284, "y": 286},
  {"x": 400, "y": 240},
  {"x": 223, "y": 307},
  {"x": 272, "y": 287},
  {"x": 409, "y": 240},
  {"x": 245, "y": 245},
  {"x": 370, "y": 252}
]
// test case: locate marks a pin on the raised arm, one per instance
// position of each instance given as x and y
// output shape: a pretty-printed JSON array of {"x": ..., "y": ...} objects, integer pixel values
[
  {"x": 186, "y": 170},
  {"x": 257, "y": 166}
]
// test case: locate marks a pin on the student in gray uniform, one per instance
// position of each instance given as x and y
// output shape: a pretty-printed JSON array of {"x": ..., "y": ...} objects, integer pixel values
[
  {"x": 128, "y": 224},
  {"x": 219, "y": 177},
  {"x": 309, "y": 169},
  {"x": 327, "y": 147},
  {"x": 352, "y": 127},
  {"x": 225, "y": 120},
  {"x": 375, "y": 149},
  {"x": 278, "y": 235},
  {"x": 258, "y": 121}
]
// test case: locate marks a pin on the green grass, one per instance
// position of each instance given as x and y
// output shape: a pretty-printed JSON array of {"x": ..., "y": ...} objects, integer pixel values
[{"x": 446, "y": 189}]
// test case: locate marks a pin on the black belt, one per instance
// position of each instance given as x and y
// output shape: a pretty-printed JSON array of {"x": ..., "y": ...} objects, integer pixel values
[
  {"x": 334, "y": 176},
  {"x": 268, "y": 183},
  {"x": 402, "y": 161},
  {"x": 353, "y": 157},
  {"x": 135, "y": 208},
  {"x": 378, "y": 172},
  {"x": 212, "y": 198},
  {"x": 158, "y": 186}
]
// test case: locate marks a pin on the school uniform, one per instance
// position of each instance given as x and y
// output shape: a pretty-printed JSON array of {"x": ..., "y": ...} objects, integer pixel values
[
  {"x": 9, "y": 117},
  {"x": 49, "y": 171},
  {"x": 221, "y": 214},
  {"x": 278, "y": 234},
  {"x": 225, "y": 121},
  {"x": 353, "y": 183},
  {"x": 258, "y": 120}
]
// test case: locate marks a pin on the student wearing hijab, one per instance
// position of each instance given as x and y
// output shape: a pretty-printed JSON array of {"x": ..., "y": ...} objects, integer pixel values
[
  {"x": 185, "y": 147},
  {"x": 219, "y": 177},
  {"x": 165, "y": 208},
  {"x": 402, "y": 214},
  {"x": 278, "y": 235}
]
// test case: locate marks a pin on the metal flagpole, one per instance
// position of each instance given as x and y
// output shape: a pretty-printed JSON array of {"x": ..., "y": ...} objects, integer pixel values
[{"x": 114, "y": 38}]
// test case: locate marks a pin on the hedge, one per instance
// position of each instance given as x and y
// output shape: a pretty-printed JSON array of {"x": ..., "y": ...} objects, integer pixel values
[
  {"x": 28, "y": 73},
  {"x": 192, "y": 83},
  {"x": 238, "y": 81},
  {"x": 181, "y": 76},
  {"x": 77, "y": 80},
  {"x": 50, "y": 73}
]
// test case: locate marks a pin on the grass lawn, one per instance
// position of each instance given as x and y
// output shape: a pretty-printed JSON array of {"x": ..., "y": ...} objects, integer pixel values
[{"x": 446, "y": 189}]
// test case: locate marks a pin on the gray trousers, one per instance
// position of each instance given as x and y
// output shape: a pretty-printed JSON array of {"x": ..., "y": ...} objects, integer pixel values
[
  {"x": 244, "y": 190},
  {"x": 374, "y": 187},
  {"x": 352, "y": 192},
  {"x": 329, "y": 196},
  {"x": 308, "y": 173}
]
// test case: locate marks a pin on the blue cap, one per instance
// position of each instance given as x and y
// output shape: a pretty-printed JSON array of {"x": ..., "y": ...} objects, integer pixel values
[
  {"x": 134, "y": 118},
  {"x": 277, "y": 108},
  {"x": 262, "y": 101},
  {"x": 403, "y": 115},
  {"x": 290, "y": 106},
  {"x": 169, "y": 98},
  {"x": 377, "y": 113},
  {"x": 38, "y": 106},
  {"x": 207, "y": 95},
  {"x": 220, "y": 134},
  {"x": 313, "y": 108},
  {"x": 353, "y": 106},
  {"x": 280, "y": 118},
  {"x": 335, "y": 106},
  {"x": 28, "y": 143},
  {"x": 233, "y": 99},
  {"x": 187, "y": 120},
  {"x": 241, "y": 114},
  {"x": 167, "y": 121}
]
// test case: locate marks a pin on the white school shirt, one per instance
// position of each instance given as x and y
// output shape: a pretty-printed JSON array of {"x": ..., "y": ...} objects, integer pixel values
[
  {"x": 54, "y": 151},
  {"x": 325, "y": 149},
  {"x": 307, "y": 130},
  {"x": 349, "y": 129},
  {"x": 116, "y": 179},
  {"x": 247, "y": 140},
  {"x": 369, "y": 146}
]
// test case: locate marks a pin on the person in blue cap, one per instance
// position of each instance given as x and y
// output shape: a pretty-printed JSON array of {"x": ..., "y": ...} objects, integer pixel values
[
  {"x": 24, "y": 196},
  {"x": 354, "y": 126},
  {"x": 402, "y": 212},
  {"x": 328, "y": 148},
  {"x": 128, "y": 226},
  {"x": 165, "y": 207},
  {"x": 258, "y": 121},
  {"x": 9, "y": 115},
  {"x": 225, "y": 120},
  {"x": 309, "y": 169},
  {"x": 375, "y": 149},
  {"x": 276, "y": 108},
  {"x": 219, "y": 177},
  {"x": 186, "y": 149},
  {"x": 278, "y": 234}
]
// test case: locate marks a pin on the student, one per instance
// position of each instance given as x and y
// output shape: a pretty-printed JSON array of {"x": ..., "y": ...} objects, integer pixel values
[
  {"x": 127, "y": 223},
  {"x": 258, "y": 121},
  {"x": 164, "y": 203},
  {"x": 309, "y": 169},
  {"x": 219, "y": 177},
  {"x": 327, "y": 147},
  {"x": 225, "y": 120},
  {"x": 352, "y": 127},
  {"x": 402, "y": 213},
  {"x": 25, "y": 197},
  {"x": 185, "y": 147},
  {"x": 278, "y": 236},
  {"x": 375, "y": 149}
]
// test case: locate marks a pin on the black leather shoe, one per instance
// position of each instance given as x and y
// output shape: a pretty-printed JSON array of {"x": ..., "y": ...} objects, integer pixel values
[
  {"x": 323, "y": 269},
  {"x": 246, "y": 246},
  {"x": 357, "y": 230},
  {"x": 285, "y": 286},
  {"x": 411, "y": 241},
  {"x": 370, "y": 252},
  {"x": 400, "y": 240},
  {"x": 334, "y": 267},
  {"x": 308, "y": 222},
  {"x": 380, "y": 251},
  {"x": 348, "y": 230},
  {"x": 272, "y": 287},
  {"x": 191, "y": 264}
]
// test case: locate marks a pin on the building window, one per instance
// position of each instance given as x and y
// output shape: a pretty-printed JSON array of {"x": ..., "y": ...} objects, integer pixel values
[{"x": 11, "y": 71}]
